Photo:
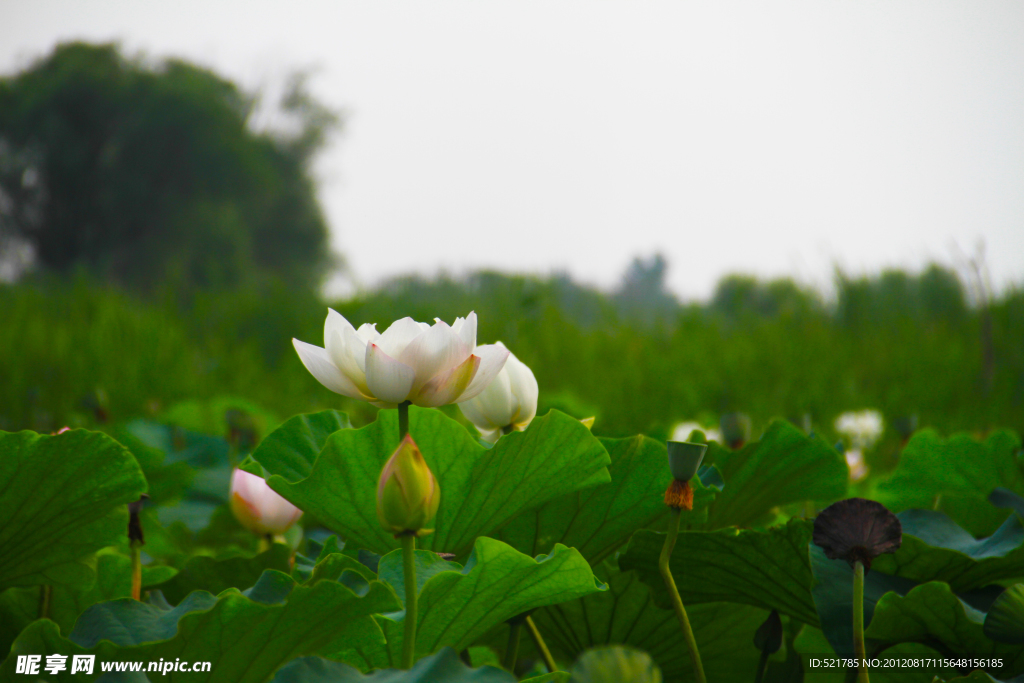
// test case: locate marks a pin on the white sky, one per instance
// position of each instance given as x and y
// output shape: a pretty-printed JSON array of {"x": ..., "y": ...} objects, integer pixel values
[{"x": 769, "y": 138}]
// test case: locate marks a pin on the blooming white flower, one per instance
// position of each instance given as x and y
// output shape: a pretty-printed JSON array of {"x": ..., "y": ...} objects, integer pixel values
[
  {"x": 258, "y": 507},
  {"x": 429, "y": 365},
  {"x": 510, "y": 401},
  {"x": 863, "y": 428},
  {"x": 681, "y": 432}
]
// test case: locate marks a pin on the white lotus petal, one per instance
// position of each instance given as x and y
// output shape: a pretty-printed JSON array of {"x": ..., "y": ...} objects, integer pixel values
[
  {"x": 492, "y": 360},
  {"x": 491, "y": 435},
  {"x": 335, "y": 322},
  {"x": 388, "y": 379},
  {"x": 399, "y": 335},
  {"x": 493, "y": 408},
  {"x": 368, "y": 332},
  {"x": 466, "y": 329},
  {"x": 524, "y": 390},
  {"x": 327, "y": 373},
  {"x": 433, "y": 353},
  {"x": 353, "y": 359},
  {"x": 446, "y": 388}
]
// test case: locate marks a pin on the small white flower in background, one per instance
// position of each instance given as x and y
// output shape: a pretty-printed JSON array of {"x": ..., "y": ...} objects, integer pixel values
[
  {"x": 855, "y": 461},
  {"x": 429, "y": 365},
  {"x": 508, "y": 402},
  {"x": 259, "y": 508},
  {"x": 681, "y": 432},
  {"x": 863, "y": 427}
]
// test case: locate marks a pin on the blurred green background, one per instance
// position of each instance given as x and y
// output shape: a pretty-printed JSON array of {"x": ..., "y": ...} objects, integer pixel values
[{"x": 159, "y": 251}]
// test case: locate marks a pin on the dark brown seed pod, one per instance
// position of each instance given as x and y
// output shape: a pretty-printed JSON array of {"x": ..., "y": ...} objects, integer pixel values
[{"x": 856, "y": 529}]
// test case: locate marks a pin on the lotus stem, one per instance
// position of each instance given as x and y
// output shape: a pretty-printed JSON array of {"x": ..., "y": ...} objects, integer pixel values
[
  {"x": 512, "y": 649},
  {"x": 538, "y": 640},
  {"x": 677, "y": 602},
  {"x": 403, "y": 419},
  {"x": 136, "y": 555},
  {"x": 45, "y": 598},
  {"x": 409, "y": 563},
  {"x": 762, "y": 667},
  {"x": 858, "y": 622}
]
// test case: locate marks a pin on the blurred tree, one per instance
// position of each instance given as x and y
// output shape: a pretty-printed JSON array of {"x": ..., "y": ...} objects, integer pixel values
[
  {"x": 934, "y": 295},
  {"x": 739, "y": 296},
  {"x": 143, "y": 175},
  {"x": 643, "y": 296}
]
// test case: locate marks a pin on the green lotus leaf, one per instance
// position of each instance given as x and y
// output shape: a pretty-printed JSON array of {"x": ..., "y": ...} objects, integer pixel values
[
  {"x": 481, "y": 489},
  {"x": 599, "y": 520},
  {"x": 936, "y": 549},
  {"x": 245, "y": 640},
  {"x": 626, "y": 614},
  {"x": 457, "y": 605},
  {"x": 20, "y": 606},
  {"x": 442, "y": 667},
  {"x": 768, "y": 569},
  {"x": 1005, "y": 620},
  {"x": 215, "y": 575},
  {"x": 961, "y": 471},
  {"x": 932, "y": 614},
  {"x": 785, "y": 466},
  {"x": 294, "y": 446},
  {"x": 62, "y": 498}
]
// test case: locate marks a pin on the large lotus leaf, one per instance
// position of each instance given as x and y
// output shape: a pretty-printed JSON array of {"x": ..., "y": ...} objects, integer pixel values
[
  {"x": 20, "y": 606},
  {"x": 246, "y": 640},
  {"x": 936, "y": 549},
  {"x": 294, "y": 446},
  {"x": 1003, "y": 497},
  {"x": 1005, "y": 620},
  {"x": 457, "y": 606},
  {"x": 962, "y": 471},
  {"x": 443, "y": 667},
  {"x": 481, "y": 489},
  {"x": 215, "y": 575},
  {"x": 933, "y": 615},
  {"x": 625, "y": 614},
  {"x": 600, "y": 519},
  {"x": 785, "y": 466},
  {"x": 167, "y": 481},
  {"x": 62, "y": 498},
  {"x": 769, "y": 569}
]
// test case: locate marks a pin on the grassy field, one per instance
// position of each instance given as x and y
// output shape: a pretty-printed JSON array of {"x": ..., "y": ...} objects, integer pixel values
[{"x": 81, "y": 353}]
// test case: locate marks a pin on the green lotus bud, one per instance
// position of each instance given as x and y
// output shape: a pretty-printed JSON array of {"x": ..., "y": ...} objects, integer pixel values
[
  {"x": 735, "y": 429},
  {"x": 615, "y": 664},
  {"x": 407, "y": 492}
]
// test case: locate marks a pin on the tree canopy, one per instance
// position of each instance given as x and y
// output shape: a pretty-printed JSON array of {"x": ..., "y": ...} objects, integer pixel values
[{"x": 143, "y": 174}]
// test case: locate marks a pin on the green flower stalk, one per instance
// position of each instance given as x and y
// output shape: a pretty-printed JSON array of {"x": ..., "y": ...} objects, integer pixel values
[
  {"x": 515, "y": 628},
  {"x": 683, "y": 460},
  {"x": 542, "y": 647},
  {"x": 136, "y": 540},
  {"x": 858, "y": 531},
  {"x": 407, "y": 499}
]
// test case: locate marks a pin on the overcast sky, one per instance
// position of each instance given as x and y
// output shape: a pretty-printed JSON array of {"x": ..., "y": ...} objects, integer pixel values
[{"x": 769, "y": 138}]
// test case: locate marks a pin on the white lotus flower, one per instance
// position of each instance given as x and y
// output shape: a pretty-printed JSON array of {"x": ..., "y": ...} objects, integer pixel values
[
  {"x": 681, "y": 432},
  {"x": 509, "y": 402},
  {"x": 429, "y": 365},
  {"x": 862, "y": 428},
  {"x": 259, "y": 508}
]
